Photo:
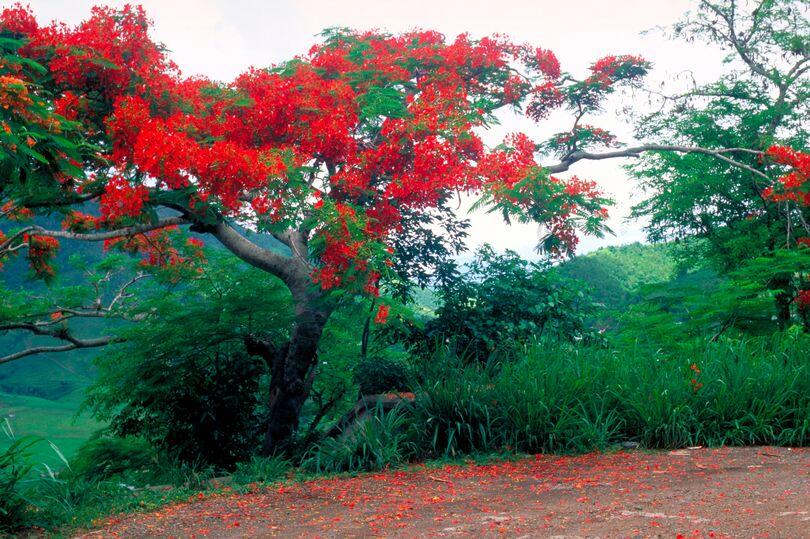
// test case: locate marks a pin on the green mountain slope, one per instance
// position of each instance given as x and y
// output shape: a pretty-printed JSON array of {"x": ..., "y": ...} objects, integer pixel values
[{"x": 615, "y": 274}]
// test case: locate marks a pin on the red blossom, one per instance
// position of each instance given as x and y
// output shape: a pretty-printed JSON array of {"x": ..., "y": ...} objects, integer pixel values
[
  {"x": 41, "y": 251},
  {"x": 794, "y": 185},
  {"x": 547, "y": 63},
  {"x": 16, "y": 213},
  {"x": 122, "y": 199},
  {"x": 803, "y": 300},
  {"x": 382, "y": 314}
]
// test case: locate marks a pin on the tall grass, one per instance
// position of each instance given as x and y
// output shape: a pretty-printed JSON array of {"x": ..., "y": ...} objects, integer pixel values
[
  {"x": 379, "y": 441},
  {"x": 13, "y": 469},
  {"x": 566, "y": 398}
]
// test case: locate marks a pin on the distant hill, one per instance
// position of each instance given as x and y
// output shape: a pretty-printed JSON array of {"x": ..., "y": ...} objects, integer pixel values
[{"x": 616, "y": 274}]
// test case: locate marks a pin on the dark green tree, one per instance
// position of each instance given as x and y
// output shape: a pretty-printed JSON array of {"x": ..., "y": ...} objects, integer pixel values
[{"x": 502, "y": 301}]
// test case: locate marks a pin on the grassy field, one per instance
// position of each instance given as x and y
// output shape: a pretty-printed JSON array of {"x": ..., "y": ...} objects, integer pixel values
[{"x": 53, "y": 420}]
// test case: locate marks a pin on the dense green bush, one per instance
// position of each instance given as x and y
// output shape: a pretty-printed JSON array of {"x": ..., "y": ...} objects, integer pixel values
[
  {"x": 197, "y": 406},
  {"x": 102, "y": 457},
  {"x": 183, "y": 379},
  {"x": 261, "y": 470},
  {"x": 502, "y": 301},
  {"x": 379, "y": 440},
  {"x": 557, "y": 396},
  {"x": 382, "y": 374}
]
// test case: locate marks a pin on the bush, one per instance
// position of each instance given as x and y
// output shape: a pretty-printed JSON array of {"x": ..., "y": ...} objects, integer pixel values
[
  {"x": 455, "y": 407},
  {"x": 380, "y": 440},
  {"x": 13, "y": 469},
  {"x": 503, "y": 302},
  {"x": 103, "y": 457},
  {"x": 183, "y": 378},
  {"x": 261, "y": 470},
  {"x": 381, "y": 375}
]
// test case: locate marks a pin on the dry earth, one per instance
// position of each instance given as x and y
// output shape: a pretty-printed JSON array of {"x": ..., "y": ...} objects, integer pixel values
[{"x": 729, "y": 492}]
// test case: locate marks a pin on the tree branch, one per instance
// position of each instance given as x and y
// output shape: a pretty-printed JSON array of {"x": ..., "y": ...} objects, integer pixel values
[
  {"x": 635, "y": 151},
  {"x": 73, "y": 345},
  {"x": 94, "y": 236},
  {"x": 110, "y": 234}
]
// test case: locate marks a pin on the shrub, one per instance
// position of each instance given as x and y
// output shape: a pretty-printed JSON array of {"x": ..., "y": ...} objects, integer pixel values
[
  {"x": 502, "y": 302},
  {"x": 103, "y": 457},
  {"x": 455, "y": 407},
  {"x": 562, "y": 397},
  {"x": 381, "y": 375},
  {"x": 13, "y": 469},
  {"x": 196, "y": 406},
  {"x": 261, "y": 470},
  {"x": 380, "y": 440},
  {"x": 183, "y": 377}
]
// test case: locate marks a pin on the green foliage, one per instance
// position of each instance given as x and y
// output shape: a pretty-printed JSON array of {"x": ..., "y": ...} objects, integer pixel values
[
  {"x": 63, "y": 504},
  {"x": 564, "y": 397},
  {"x": 759, "y": 100},
  {"x": 103, "y": 457},
  {"x": 615, "y": 274},
  {"x": 381, "y": 375},
  {"x": 502, "y": 301},
  {"x": 703, "y": 303},
  {"x": 13, "y": 470},
  {"x": 36, "y": 145},
  {"x": 182, "y": 379},
  {"x": 380, "y": 440},
  {"x": 261, "y": 470},
  {"x": 454, "y": 407}
]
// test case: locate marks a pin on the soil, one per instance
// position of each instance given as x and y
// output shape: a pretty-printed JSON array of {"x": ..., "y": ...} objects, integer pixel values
[{"x": 690, "y": 493}]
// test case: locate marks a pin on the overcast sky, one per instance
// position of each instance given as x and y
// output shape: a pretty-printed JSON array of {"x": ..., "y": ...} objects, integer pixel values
[{"x": 221, "y": 38}]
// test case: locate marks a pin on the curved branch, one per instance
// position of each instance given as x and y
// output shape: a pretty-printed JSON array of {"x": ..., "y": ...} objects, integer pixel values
[
  {"x": 95, "y": 236},
  {"x": 636, "y": 151},
  {"x": 74, "y": 345},
  {"x": 110, "y": 234}
]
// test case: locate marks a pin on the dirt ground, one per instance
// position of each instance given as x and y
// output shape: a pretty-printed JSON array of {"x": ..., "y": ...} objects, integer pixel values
[{"x": 729, "y": 492}]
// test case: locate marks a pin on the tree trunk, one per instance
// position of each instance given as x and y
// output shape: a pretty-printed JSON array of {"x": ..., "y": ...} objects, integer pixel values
[{"x": 294, "y": 368}]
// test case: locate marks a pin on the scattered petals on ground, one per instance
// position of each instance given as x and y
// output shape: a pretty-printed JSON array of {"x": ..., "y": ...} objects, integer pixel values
[{"x": 690, "y": 493}]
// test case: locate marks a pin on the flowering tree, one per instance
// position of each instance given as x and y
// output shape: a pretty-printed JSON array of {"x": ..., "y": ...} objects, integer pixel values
[{"x": 346, "y": 156}]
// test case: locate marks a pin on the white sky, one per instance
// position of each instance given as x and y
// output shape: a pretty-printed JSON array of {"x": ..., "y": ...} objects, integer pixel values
[{"x": 220, "y": 39}]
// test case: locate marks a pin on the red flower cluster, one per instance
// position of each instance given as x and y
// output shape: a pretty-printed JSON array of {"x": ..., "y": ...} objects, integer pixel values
[
  {"x": 9, "y": 211},
  {"x": 696, "y": 385},
  {"x": 41, "y": 251},
  {"x": 110, "y": 52},
  {"x": 382, "y": 314},
  {"x": 122, "y": 199},
  {"x": 803, "y": 300},
  {"x": 794, "y": 185},
  {"x": 612, "y": 69},
  {"x": 81, "y": 222},
  {"x": 2, "y": 241},
  {"x": 546, "y": 98},
  {"x": 159, "y": 251}
]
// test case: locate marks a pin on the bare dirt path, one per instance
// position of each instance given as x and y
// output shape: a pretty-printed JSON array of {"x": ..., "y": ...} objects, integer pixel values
[{"x": 729, "y": 492}]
